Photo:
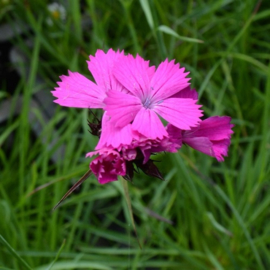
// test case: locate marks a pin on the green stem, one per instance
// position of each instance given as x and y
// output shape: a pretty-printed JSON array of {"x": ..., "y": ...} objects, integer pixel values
[{"x": 127, "y": 197}]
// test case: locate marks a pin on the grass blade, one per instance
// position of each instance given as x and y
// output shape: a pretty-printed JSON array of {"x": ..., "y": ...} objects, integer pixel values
[
  {"x": 127, "y": 197},
  {"x": 14, "y": 253},
  {"x": 169, "y": 31}
]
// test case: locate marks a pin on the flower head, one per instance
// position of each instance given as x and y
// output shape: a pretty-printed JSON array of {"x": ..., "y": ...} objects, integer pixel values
[
  {"x": 107, "y": 166},
  {"x": 148, "y": 93},
  {"x": 134, "y": 97},
  {"x": 212, "y": 137},
  {"x": 57, "y": 11}
]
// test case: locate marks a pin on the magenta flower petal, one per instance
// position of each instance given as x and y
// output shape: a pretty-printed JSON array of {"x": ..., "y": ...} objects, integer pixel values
[
  {"x": 211, "y": 137},
  {"x": 175, "y": 137},
  {"x": 221, "y": 149},
  {"x": 129, "y": 154},
  {"x": 183, "y": 113},
  {"x": 122, "y": 107},
  {"x": 215, "y": 128},
  {"x": 77, "y": 91},
  {"x": 168, "y": 80},
  {"x": 186, "y": 93},
  {"x": 101, "y": 66},
  {"x": 134, "y": 74},
  {"x": 163, "y": 145},
  {"x": 216, "y": 149},
  {"x": 107, "y": 166},
  {"x": 113, "y": 137},
  {"x": 148, "y": 124},
  {"x": 202, "y": 144}
]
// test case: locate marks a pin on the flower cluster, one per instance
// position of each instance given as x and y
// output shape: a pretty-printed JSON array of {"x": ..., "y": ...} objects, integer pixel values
[{"x": 135, "y": 97}]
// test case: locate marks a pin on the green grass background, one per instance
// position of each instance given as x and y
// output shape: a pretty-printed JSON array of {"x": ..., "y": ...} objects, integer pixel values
[{"x": 220, "y": 211}]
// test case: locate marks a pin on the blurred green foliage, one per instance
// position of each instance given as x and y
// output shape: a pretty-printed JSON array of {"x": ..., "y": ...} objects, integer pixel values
[{"x": 219, "y": 211}]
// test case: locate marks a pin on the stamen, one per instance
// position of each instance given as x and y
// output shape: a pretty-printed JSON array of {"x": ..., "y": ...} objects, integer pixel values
[{"x": 147, "y": 103}]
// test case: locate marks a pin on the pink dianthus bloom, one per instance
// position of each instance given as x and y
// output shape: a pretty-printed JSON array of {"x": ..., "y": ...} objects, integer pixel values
[
  {"x": 149, "y": 93},
  {"x": 121, "y": 160},
  {"x": 126, "y": 138},
  {"x": 107, "y": 166},
  {"x": 116, "y": 137},
  {"x": 75, "y": 90},
  {"x": 211, "y": 137},
  {"x": 112, "y": 162},
  {"x": 149, "y": 146},
  {"x": 134, "y": 97}
]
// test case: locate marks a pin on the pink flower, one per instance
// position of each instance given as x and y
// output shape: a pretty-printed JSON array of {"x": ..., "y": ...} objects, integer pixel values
[
  {"x": 212, "y": 137},
  {"x": 134, "y": 97},
  {"x": 128, "y": 141},
  {"x": 149, "y": 146},
  {"x": 110, "y": 163},
  {"x": 107, "y": 166},
  {"x": 149, "y": 93},
  {"x": 75, "y": 90}
]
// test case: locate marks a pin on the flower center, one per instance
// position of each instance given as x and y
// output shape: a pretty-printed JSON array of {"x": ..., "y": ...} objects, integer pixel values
[{"x": 147, "y": 103}]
